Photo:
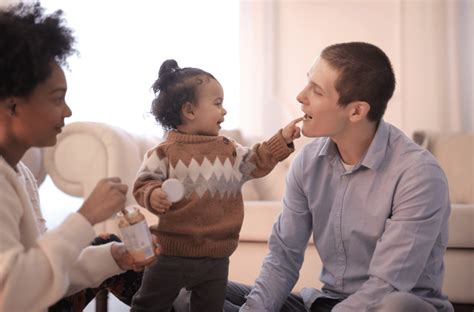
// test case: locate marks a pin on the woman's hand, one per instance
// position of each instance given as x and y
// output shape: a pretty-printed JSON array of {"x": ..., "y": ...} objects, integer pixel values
[
  {"x": 125, "y": 260},
  {"x": 292, "y": 131},
  {"x": 107, "y": 198}
]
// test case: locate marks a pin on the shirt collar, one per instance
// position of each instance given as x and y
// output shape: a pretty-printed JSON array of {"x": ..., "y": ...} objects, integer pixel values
[
  {"x": 375, "y": 154},
  {"x": 377, "y": 149}
]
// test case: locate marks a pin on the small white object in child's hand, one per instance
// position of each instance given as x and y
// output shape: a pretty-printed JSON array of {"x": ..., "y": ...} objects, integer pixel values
[{"x": 174, "y": 189}]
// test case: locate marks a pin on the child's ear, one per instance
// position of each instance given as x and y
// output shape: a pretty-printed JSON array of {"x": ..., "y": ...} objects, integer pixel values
[{"x": 188, "y": 111}]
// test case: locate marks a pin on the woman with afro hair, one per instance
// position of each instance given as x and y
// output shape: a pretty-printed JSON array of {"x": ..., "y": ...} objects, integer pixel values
[{"x": 40, "y": 269}]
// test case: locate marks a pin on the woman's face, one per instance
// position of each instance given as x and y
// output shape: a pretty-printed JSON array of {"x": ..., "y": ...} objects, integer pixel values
[{"x": 40, "y": 116}]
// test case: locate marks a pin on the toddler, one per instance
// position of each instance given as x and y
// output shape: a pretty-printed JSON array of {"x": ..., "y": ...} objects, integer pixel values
[{"x": 198, "y": 233}]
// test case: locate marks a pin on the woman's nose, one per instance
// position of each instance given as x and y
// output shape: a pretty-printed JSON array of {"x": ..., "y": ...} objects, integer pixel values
[{"x": 67, "y": 111}]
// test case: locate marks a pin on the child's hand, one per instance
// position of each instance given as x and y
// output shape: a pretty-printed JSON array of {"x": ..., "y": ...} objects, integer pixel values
[
  {"x": 291, "y": 131},
  {"x": 159, "y": 201}
]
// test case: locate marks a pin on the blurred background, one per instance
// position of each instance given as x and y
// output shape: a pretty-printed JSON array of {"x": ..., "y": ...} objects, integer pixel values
[{"x": 260, "y": 51}]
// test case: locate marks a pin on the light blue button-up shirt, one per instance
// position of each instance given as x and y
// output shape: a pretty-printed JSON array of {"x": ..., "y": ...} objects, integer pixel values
[{"x": 380, "y": 227}]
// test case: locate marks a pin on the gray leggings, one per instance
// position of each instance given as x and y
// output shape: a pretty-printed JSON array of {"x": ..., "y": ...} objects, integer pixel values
[{"x": 204, "y": 278}]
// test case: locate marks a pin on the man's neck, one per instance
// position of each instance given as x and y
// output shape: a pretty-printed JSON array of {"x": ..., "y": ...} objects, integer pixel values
[{"x": 355, "y": 141}]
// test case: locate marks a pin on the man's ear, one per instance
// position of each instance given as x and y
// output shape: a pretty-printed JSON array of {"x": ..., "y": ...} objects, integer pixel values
[
  {"x": 187, "y": 110},
  {"x": 358, "y": 110}
]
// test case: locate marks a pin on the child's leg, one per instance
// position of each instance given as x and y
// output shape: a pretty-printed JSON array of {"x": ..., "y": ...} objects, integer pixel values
[
  {"x": 208, "y": 293},
  {"x": 161, "y": 285}
]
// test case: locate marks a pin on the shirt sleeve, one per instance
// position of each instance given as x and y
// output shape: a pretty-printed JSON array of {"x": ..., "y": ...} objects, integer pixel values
[
  {"x": 287, "y": 244},
  {"x": 420, "y": 210},
  {"x": 94, "y": 265}
]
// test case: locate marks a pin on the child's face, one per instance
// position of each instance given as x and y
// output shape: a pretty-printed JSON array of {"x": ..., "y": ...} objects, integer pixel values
[{"x": 209, "y": 111}]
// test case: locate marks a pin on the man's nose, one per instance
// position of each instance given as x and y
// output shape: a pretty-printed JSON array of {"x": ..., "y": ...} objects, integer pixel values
[{"x": 300, "y": 97}]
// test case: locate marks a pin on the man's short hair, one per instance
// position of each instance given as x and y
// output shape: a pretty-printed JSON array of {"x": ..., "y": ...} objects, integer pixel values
[{"x": 365, "y": 74}]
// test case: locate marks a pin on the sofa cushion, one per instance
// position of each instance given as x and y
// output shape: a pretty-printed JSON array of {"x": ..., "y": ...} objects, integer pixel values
[
  {"x": 458, "y": 278},
  {"x": 259, "y": 217},
  {"x": 461, "y": 226},
  {"x": 455, "y": 153}
]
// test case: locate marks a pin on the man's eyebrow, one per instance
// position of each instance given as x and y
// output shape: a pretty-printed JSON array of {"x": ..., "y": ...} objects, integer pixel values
[{"x": 314, "y": 84}]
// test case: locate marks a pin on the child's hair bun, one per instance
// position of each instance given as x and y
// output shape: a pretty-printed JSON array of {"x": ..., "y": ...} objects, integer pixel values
[
  {"x": 165, "y": 75},
  {"x": 168, "y": 66}
]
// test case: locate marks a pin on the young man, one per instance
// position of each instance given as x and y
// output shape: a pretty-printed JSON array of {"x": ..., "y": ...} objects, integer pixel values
[{"x": 375, "y": 203}]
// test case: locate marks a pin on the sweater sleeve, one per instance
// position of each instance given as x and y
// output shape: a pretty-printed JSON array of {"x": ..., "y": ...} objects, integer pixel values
[
  {"x": 35, "y": 277},
  {"x": 152, "y": 173},
  {"x": 94, "y": 265},
  {"x": 260, "y": 159}
]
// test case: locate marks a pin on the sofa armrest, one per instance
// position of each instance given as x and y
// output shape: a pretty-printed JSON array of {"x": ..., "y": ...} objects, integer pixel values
[{"x": 89, "y": 151}]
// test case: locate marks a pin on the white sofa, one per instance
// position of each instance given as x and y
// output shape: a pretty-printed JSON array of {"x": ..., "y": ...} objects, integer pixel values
[{"x": 88, "y": 151}]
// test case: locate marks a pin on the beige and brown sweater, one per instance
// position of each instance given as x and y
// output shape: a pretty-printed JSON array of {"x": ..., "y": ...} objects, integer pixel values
[{"x": 207, "y": 221}]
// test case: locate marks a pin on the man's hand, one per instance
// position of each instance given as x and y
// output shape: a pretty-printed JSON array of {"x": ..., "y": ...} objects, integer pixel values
[
  {"x": 159, "y": 201},
  {"x": 292, "y": 131},
  {"x": 107, "y": 198}
]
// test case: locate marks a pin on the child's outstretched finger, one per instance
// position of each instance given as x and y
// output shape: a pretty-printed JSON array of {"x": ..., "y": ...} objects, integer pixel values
[{"x": 297, "y": 120}]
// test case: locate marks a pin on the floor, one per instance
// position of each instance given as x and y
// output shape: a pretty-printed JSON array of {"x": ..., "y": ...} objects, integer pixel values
[{"x": 114, "y": 305}]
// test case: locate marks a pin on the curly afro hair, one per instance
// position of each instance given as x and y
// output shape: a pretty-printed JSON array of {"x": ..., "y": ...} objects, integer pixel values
[{"x": 30, "y": 41}]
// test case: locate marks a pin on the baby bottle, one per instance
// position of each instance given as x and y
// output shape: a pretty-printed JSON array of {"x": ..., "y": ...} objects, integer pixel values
[{"x": 136, "y": 235}]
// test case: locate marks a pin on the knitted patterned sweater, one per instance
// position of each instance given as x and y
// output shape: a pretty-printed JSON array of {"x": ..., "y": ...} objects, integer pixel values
[{"x": 212, "y": 169}]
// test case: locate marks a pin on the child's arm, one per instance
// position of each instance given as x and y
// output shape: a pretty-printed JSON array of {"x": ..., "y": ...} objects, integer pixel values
[
  {"x": 147, "y": 188},
  {"x": 261, "y": 158}
]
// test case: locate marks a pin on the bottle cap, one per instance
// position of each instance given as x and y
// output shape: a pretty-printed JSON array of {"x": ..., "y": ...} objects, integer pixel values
[{"x": 174, "y": 189}]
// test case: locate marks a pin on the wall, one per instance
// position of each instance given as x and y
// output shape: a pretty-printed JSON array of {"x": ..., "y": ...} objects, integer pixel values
[{"x": 424, "y": 39}]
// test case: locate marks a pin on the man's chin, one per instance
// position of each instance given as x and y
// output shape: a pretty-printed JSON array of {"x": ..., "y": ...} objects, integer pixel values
[{"x": 307, "y": 133}]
